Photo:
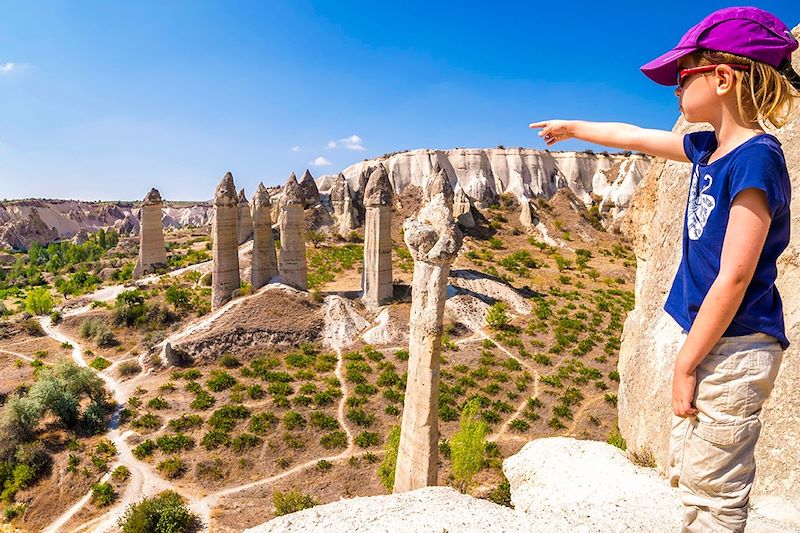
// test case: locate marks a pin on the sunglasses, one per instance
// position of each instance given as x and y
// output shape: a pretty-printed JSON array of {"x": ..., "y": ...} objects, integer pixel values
[{"x": 686, "y": 72}]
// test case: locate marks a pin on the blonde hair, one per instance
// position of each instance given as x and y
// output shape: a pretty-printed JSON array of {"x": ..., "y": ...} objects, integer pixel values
[{"x": 763, "y": 95}]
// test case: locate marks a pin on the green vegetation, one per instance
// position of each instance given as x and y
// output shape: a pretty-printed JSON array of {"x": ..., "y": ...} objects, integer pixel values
[
  {"x": 163, "y": 513},
  {"x": 387, "y": 468},
  {"x": 327, "y": 261},
  {"x": 103, "y": 494},
  {"x": 497, "y": 316},
  {"x": 468, "y": 445},
  {"x": 291, "y": 502},
  {"x": 38, "y": 301}
]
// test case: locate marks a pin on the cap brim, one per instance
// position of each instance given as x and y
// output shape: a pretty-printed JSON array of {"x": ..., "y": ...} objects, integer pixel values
[{"x": 664, "y": 69}]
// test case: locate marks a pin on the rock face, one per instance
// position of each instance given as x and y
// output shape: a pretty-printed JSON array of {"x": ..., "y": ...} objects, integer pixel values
[
  {"x": 152, "y": 252},
  {"x": 528, "y": 217},
  {"x": 377, "y": 280},
  {"x": 650, "y": 337},
  {"x": 558, "y": 485},
  {"x": 344, "y": 212},
  {"x": 525, "y": 173},
  {"x": 440, "y": 184},
  {"x": 292, "y": 263},
  {"x": 265, "y": 261},
  {"x": 308, "y": 190},
  {"x": 19, "y": 234},
  {"x": 244, "y": 223},
  {"x": 462, "y": 209},
  {"x": 433, "y": 240},
  {"x": 225, "y": 249}
]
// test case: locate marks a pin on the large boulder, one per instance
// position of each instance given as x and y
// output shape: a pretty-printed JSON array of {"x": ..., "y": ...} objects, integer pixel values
[{"x": 650, "y": 338}]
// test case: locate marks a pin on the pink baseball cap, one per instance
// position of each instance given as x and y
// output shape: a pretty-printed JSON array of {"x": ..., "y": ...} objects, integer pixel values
[{"x": 746, "y": 31}]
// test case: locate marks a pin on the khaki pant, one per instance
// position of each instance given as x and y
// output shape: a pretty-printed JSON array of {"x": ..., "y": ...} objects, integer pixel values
[{"x": 711, "y": 454}]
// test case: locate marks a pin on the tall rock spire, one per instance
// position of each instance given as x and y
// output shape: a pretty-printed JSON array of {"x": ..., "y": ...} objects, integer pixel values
[
  {"x": 292, "y": 260},
  {"x": 225, "y": 249},
  {"x": 152, "y": 252},
  {"x": 377, "y": 280},
  {"x": 265, "y": 262}
]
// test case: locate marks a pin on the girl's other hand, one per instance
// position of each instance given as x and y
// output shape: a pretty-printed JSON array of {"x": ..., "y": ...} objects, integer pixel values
[{"x": 554, "y": 131}]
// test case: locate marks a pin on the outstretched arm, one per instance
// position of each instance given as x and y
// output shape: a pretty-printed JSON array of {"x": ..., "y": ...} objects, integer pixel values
[{"x": 616, "y": 135}]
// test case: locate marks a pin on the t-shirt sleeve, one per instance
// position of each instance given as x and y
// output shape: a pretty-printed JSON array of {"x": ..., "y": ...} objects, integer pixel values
[
  {"x": 697, "y": 143},
  {"x": 759, "y": 167}
]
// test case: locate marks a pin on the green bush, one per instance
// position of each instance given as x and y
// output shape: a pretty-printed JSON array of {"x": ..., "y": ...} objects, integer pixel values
[
  {"x": 220, "y": 381},
  {"x": 103, "y": 494},
  {"x": 468, "y": 445},
  {"x": 615, "y": 439},
  {"x": 163, "y": 513},
  {"x": 335, "y": 439},
  {"x": 365, "y": 439},
  {"x": 38, "y": 301},
  {"x": 389, "y": 464},
  {"x": 260, "y": 423},
  {"x": 157, "y": 403},
  {"x": 100, "y": 363},
  {"x": 497, "y": 316},
  {"x": 360, "y": 417},
  {"x": 214, "y": 439},
  {"x": 120, "y": 473},
  {"x": 291, "y": 502},
  {"x": 144, "y": 449},
  {"x": 174, "y": 443},
  {"x": 185, "y": 422},
  {"x": 225, "y": 418},
  {"x": 323, "y": 421},
  {"x": 294, "y": 420},
  {"x": 244, "y": 441}
]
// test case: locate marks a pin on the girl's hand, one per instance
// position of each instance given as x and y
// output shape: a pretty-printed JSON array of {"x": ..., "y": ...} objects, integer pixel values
[
  {"x": 683, "y": 385},
  {"x": 554, "y": 130}
]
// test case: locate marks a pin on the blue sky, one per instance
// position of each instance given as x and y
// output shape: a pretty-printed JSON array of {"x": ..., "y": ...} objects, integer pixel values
[{"x": 103, "y": 100}]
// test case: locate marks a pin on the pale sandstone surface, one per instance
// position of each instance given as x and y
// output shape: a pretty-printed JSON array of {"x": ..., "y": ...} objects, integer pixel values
[
  {"x": 152, "y": 251},
  {"x": 244, "y": 225},
  {"x": 292, "y": 260},
  {"x": 650, "y": 338},
  {"x": 265, "y": 260},
  {"x": 225, "y": 250},
  {"x": 377, "y": 277},
  {"x": 433, "y": 240}
]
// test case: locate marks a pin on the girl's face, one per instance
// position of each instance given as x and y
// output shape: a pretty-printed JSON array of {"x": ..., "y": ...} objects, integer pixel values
[{"x": 697, "y": 97}]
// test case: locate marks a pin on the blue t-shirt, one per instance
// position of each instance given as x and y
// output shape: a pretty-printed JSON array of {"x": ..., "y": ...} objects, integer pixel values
[{"x": 757, "y": 163}]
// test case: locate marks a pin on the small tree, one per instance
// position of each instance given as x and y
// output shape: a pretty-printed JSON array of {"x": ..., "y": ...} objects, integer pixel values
[
  {"x": 468, "y": 445},
  {"x": 389, "y": 464},
  {"x": 315, "y": 237},
  {"x": 497, "y": 317},
  {"x": 38, "y": 301}
]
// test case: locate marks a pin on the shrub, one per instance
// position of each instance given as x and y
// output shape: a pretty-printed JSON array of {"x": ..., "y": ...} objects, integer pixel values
[
  {"x": 129, "y": 368},
  {"x": 229, "y": 361},
  {"x": 261, "y": 422},
  {"x": 185, "y": 422},
  {"x": 157, "y": 403},
  {"x": 365, "y": 439},
  {"x": 520, "y": 426},
  {"x": 103, "y": 494},
  {"x": 291, "y": 502},
  {"x": 174, "y": 443},
  {"x": 225, "y": 418},
  {"x": 38, "y": 301},
  {"x": 468, "y": 445},
  {"x": 335, "y": 439},
  {"x": 120, "y": 473},
  {"x": 294, "y": 420},
  {"x": 144, "y": 449},
  {"x": 497, "y": 316},
  {"x": 323, "y": 421},
  {"x": 147, "y": 421},
  {"x": 611, "y": 398},
  {"x": 163, "y": 513},
  {"x": 100, "y": 363},
  {"x": 360, "y": 417},
  {"x": 220, "y": 380},
  {"x": 244, "y": 441},
  {"x": 214, "y": 439},
  {"x": 389, "y": 464},
  {"x": 324, "y": 465},
  {"x": 615, "y": 439}
]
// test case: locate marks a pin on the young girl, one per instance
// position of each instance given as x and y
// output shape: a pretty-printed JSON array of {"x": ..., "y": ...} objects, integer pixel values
[{"x": 733, "y": 71}]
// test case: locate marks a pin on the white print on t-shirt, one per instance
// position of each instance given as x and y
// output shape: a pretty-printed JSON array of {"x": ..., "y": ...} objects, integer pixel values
[{"x": 700, "y": 206}]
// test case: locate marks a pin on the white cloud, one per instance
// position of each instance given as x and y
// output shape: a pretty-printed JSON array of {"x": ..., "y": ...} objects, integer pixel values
[
  {"x": 354, "y": 142},
  {"x": 7, "y": 67},
  {"x": 296, "y": 149},
  {"x": 320, "y": 162}
]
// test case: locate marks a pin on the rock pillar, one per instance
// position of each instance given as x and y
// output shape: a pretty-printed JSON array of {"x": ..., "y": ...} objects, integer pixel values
[
  {"x": 462, "y": 209},
  {"x": 377, "y": 279},
  {"x": 308, "y": 190},
  {"x": 152, "y": 252},
  {"x": 292, "y": 264},
  {"x": 265, "y": 261},
  {"x": 225, "y": 249},
  {"x": 440, "y": 184},
  {"x": 433, "y": 240},
  {"x": 344, "y": 212},
  {"x": 244, "y": 225}
]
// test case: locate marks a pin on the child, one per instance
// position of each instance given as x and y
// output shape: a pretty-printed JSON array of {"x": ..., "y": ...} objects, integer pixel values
[{"x": 733, "y": 71}]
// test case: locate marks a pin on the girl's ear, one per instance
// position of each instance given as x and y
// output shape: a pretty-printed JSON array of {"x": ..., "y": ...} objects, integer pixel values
[{"x": 724, "y": 79}]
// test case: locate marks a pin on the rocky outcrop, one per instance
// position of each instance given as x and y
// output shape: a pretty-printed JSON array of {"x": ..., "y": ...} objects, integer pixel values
[
  {"x": 292, "y": 261},
  {"x": 462, "y": 209},
  {"x": 377, "y": 279},
  {"x": 265, "y": 259},
  {"x": 433, "y": 240},
  {"x": 225, "y": 250},
  {"x": 525, "y": 173},
  {"x": 528, "y": 217},
  {"x": 244, "y": 223},
  {"x": 440, "y": 184},
  {"x": 558, "y": 485},
  {"x": 69, "y": 217},
  {"x": 152, "y": 252},
  {"x": 345, "y": 213},
  {"x": 19, "y": 234},
  {"x": 308, "y": 190},
  {"x": 650, "y": 338}
]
